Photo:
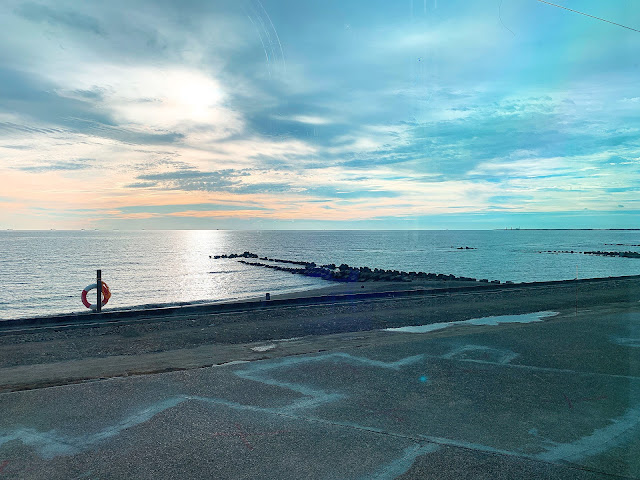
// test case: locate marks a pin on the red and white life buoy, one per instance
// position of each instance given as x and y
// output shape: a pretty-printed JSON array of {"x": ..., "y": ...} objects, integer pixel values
[{"x": 106, "y": 294}]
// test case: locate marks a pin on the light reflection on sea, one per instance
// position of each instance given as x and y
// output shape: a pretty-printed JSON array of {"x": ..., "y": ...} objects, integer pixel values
[{"x": 43, "y": 272}]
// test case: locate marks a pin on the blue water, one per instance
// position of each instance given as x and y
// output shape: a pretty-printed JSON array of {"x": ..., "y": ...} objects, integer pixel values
[{"x": 44, "y": 272}]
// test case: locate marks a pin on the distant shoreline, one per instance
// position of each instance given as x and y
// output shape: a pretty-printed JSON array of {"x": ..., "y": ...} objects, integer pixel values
[
  {"x": 312, "y": 229},
  {"x": 571, "y": 229}
]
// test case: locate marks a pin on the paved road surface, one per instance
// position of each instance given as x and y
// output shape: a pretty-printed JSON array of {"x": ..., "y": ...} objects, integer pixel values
[{"x": 554, "y": 399}]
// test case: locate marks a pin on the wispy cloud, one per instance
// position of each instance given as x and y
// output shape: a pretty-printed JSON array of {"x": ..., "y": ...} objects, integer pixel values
[
  {"x": 63, "y": 17},
  {"x": 69, "y": 165},
  {"x": 314, "y": 112}
]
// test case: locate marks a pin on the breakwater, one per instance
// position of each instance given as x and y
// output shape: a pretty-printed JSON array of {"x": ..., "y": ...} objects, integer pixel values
[
  {"x": 343, "y": 272},
  {"x": 598, "y": 253}
]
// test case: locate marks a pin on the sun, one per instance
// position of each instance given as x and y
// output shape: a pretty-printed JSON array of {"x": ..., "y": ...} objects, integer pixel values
[
  {"x": 192, "y": 95},
  {"x": 162, "y": 98}
]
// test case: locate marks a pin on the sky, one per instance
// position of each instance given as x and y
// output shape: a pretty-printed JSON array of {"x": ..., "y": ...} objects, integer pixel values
[{"x": 341, "y": 114}]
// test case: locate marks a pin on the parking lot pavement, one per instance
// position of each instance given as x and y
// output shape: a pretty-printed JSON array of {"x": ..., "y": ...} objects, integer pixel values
[{"x": 553, "y": 399}]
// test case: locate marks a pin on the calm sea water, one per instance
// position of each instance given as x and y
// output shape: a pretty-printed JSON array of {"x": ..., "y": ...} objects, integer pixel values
[{"x": 44, "y": 272}]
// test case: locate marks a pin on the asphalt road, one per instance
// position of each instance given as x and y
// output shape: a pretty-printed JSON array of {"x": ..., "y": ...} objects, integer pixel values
[{"x": 554, "y": 399}]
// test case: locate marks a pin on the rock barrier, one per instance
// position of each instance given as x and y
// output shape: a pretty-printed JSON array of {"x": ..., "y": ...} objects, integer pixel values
[
  {"x": 342, "y": 273},
  {"x": 236, "y": 255},
  {"x": 597, "y": 252}
]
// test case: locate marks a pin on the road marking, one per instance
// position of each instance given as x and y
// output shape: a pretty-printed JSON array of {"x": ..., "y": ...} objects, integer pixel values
[
  {"x": 401, "y": 465},
  {"x": 51, "y": 443}
]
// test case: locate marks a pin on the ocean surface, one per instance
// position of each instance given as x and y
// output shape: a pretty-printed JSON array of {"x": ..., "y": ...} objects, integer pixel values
[{"x": 44, "y": 272}]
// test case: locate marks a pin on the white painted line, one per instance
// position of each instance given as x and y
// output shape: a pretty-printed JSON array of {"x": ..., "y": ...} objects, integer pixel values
[
  {"x": 403, "y": 464},
  {"x": 620, "y": 431},
  {"x": 502, "y": 356}
]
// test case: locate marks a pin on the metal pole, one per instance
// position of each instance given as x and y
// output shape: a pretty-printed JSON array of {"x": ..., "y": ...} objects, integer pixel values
[
  {"x": 576, "y": 290},
  {"x": 99, "y": 282}
]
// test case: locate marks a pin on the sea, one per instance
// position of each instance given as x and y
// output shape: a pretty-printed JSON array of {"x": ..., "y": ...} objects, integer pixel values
[{"x": 44, "y": 272}]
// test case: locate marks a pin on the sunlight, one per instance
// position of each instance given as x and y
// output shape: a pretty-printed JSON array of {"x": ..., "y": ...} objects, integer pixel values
[
  {"x": 155, "y": 97},
  {"x": 196, "y": 246},
  {"x": 170, "y": 97},
  {"x": 192, "y": 95}
]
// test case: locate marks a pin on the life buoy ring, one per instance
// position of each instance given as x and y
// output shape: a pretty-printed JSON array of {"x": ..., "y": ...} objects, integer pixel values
[{"x": 106, "y": 294}]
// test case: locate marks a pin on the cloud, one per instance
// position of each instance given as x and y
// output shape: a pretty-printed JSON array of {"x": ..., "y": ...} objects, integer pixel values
[
  {"x": 530, "y": 167},
  {"x": 69, "y": 165},
  {"x": 59, "y": 17},
  {"x": 126, "y": 135},
  {"x": 307, "y": 119},
  {"x": 510, "y": 198},
  {"x": 141, "y": 185},
  {"x": 192, "y": 179},
  {"x": 349, "y": 192},
  {"x": 193, "y": 207},
  {"x": 15, "y": 147},
  {"x": 44, "y": 110}
]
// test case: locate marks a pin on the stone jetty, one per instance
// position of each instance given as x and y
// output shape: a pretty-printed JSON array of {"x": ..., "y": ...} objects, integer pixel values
[
  {"x": 236, "y": 255},
  {"x": 341, "y": 273},
  {"x": 597, "y": 252}
]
